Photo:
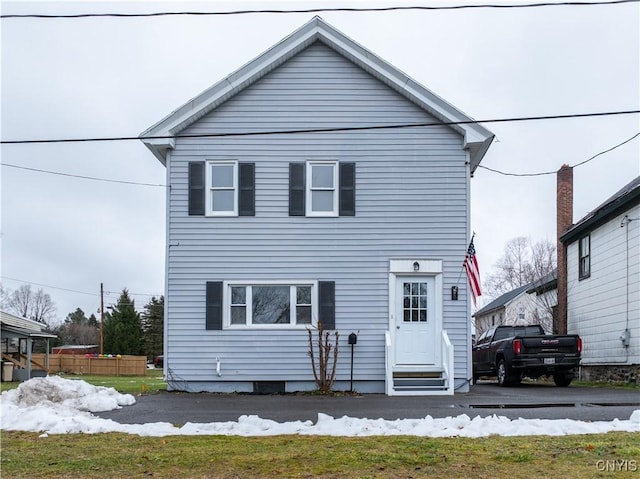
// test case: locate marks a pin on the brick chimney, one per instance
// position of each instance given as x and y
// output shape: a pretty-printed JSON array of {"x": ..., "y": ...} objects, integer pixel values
[{"x": 564, "y": 220}]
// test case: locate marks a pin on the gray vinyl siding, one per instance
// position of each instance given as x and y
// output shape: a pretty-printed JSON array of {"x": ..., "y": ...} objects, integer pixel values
[{"x": 411, "y": 201}]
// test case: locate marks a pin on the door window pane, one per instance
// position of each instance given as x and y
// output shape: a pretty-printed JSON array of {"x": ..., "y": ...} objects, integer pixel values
[{"x": 414, "y": 302}]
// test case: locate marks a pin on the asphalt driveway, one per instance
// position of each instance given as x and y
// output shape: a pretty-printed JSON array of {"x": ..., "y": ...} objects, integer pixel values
[{"x": 525, "y": 400}]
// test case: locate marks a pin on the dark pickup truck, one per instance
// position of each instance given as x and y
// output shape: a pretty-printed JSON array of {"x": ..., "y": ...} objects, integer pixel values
[{"x": 512, "y": 352}]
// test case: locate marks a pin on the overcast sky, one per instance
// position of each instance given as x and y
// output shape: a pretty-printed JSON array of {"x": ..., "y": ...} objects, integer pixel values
[{"x": 106, "y": 77}]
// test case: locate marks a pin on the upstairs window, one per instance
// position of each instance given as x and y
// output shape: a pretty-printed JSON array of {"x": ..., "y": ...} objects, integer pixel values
[
  {"x": 322, "y": 188},
  {"x": 584, "y": 253},
  {"x": 222, "y": 187},
  {"x": 322, "y": 191}
]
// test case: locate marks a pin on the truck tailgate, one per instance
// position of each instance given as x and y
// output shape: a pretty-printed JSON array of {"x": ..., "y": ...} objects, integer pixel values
[{"x": 549, "y": 345}]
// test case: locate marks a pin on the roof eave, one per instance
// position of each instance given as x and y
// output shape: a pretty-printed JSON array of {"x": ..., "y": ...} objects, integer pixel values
[
  {"x": 605, "y": 214},
  {"x": 476, "y": 138}
]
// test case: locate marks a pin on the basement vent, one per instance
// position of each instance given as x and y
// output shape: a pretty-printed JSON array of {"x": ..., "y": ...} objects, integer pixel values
[{"x": 268, "y": 387}]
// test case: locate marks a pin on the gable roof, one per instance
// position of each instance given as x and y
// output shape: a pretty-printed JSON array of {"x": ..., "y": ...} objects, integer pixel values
[
  {"x": 548, "y": 282},
  {"x": 503, "y": 300},
  {"x": 160, "y": 137},
  {"x": 623, "y": 199}
]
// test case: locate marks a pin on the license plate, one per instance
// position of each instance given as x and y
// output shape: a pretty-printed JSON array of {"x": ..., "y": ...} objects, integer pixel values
[{"x": 549, "y": 360}]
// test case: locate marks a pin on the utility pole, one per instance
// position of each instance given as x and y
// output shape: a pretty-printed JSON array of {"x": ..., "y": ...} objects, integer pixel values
[{"x": 101, "y": 318}]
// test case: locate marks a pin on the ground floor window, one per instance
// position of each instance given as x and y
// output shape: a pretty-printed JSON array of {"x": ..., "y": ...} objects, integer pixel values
[{"x": 271, "y": 305}]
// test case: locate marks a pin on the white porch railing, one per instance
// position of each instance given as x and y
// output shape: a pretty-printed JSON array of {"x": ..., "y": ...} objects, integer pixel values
[
  {"x": 447, "y": 371},
  {"x": 448, "y": 363}
]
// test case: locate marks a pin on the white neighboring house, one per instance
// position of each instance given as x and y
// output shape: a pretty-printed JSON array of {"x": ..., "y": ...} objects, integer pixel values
[
  {"x": 603, "y": 286},
  {"x": 518, "y": 307},
  {"x": 545, "y": 293}
]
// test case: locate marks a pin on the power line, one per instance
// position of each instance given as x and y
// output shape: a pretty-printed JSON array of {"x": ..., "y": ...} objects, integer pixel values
[
  {"x": 81, "y": 176},
  {"x": 340, "y": 129},
  {"x": 318, "y": 130},
  {"x": 108, "y": 293},
  {"x": 320, "y": 10},
  {"x": 49, "y": 286},
  {"x": 554, "y": 172}
]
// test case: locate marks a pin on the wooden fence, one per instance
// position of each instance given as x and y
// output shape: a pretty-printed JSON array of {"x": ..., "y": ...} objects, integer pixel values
[{"x": 70, "y": 363}]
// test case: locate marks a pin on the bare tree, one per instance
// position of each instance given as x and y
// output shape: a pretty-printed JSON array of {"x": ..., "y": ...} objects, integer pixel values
[
  {"x": 36, "y": 305},
  {"x": 4, "y": 297},
  {"x": 522, "y": 262}
]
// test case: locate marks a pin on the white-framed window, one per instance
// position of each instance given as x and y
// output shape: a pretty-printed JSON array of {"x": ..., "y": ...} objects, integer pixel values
[
  {"x": 222, "y": 188},
  {"x": 270, "y": 304},
  {"x": 584, "y": 252},
  {"x": 322, "y": 188}
]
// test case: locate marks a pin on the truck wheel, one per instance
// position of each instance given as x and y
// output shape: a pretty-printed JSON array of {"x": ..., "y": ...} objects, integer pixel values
[
  {"x": 503, "y": 378},
  {"x": 562, "y": 380}
]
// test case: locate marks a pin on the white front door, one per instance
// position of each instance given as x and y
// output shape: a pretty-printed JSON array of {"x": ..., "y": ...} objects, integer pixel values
[{"x": 416, "y": 323}]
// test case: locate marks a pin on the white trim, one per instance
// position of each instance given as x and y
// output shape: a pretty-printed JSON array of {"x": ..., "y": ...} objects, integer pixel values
[
  {"x": 167, "y": 254},
  {"x": 209, "y": 188},
  {"x": 426, "y": 267},
  {"x": 476, "y": 138},
  {"x": 403, "y": 268},
  {"x": 309, "y": 187},
  {"x": 467, "y": 304},
  {"x": 226, "y": 304}
]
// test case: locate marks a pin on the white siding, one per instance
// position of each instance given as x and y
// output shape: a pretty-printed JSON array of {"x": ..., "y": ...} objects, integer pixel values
[
  {"x": 411, "y": 201},
  {"x": 598, "y": 306}
]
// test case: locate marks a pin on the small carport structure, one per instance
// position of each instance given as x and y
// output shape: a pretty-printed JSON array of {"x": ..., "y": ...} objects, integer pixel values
[{"x": 17, "y": 337}]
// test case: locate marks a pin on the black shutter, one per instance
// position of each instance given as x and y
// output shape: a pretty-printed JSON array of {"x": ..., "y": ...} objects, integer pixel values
[
  {"x": 347, "y": 189},
  {"x": 196, "y": 188},
  {"x": 214, "y": 305},
  {"x": 327, "y": 300},
  {"x": 247, "y": 189},
  {"x": 297, "y": 191}
]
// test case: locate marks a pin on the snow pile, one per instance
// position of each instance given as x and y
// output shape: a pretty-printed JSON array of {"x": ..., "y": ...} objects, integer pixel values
[{"x": 60, "y": 406}]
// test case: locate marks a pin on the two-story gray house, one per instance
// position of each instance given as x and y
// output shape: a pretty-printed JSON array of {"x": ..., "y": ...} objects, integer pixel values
[{"x": 317, "y": 183}]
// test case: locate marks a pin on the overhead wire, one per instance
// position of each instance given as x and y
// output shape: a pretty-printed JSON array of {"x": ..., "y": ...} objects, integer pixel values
[
  {"x": 106, "y": 293},
  {"x": 318, "y": 130},
  {"x": 320, "y": 10},
  {"x": 324, "y": 130},
  {"x": 554, "y": 172},
  {"x": 82, "y": 176}
]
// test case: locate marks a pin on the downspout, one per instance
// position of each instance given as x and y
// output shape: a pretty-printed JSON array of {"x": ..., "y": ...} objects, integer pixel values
[
  {"x": 165, "y": 328},
  {"x": 469, "y": 175}
]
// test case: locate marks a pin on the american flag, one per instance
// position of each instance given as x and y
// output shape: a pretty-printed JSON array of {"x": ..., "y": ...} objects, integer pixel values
[{"x": 473, "y": 272}]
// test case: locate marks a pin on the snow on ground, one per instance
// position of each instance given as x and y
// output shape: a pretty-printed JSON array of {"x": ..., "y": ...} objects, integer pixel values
[{"x": 54, "y": 405}]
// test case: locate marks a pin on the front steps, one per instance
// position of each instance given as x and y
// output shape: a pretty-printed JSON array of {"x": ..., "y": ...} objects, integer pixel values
[{"x": 419, "y": 381}]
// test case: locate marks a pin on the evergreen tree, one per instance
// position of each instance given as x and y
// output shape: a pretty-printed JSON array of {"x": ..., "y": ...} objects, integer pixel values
[
  {"x": 153, "y": 327},
  {"x": 123, "y": 328}
]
